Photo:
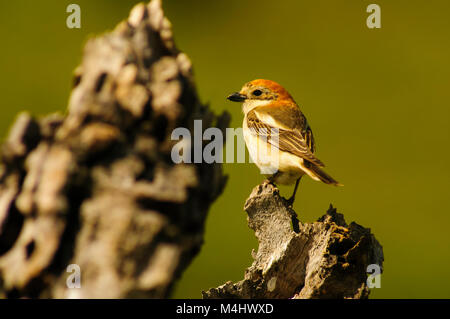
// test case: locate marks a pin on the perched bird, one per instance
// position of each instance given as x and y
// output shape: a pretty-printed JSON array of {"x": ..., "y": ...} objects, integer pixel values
[{"x": 277, "y": 135}]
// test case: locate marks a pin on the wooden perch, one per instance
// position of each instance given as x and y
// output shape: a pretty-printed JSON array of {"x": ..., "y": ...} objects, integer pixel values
[
  {"x": 97, "y": 187},
  {"x": 326, "y": 259}
]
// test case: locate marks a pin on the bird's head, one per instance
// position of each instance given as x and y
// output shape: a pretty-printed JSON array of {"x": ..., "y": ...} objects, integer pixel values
[{"x": 260, "y": 92}]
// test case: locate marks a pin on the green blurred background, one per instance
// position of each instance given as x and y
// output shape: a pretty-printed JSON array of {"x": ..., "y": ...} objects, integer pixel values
[{"x": 377, "y": 100}]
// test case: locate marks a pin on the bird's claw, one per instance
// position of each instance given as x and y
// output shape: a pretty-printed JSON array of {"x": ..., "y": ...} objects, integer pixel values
[{"x": 290, "y": 201}]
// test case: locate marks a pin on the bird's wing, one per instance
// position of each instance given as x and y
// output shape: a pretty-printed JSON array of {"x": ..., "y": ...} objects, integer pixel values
[{"x": 286, "y": 129}]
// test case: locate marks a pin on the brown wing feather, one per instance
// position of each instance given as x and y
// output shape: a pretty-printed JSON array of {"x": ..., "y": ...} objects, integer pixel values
[
  {"x": 291, "y": 141},
  {"x": 310, "y": 139}
]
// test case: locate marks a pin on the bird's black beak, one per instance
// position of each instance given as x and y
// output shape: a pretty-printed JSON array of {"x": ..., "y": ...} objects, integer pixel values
[{"x": 237, "y": 97}]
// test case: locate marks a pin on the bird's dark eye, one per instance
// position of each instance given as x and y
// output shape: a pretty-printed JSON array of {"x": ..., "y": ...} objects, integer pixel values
[{"x": 257, "y": 92}]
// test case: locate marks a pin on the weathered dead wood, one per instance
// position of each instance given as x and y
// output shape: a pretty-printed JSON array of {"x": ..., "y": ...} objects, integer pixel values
[
  {"x": 97, "y": 187},
  {"x": 325, "y": 259}
]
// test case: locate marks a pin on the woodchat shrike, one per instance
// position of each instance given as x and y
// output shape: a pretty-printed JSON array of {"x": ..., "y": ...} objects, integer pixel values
[{"x": 274, "y": 121}]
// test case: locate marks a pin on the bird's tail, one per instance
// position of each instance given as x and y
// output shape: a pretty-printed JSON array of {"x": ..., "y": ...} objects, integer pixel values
[{"x": 318, "y": 174}]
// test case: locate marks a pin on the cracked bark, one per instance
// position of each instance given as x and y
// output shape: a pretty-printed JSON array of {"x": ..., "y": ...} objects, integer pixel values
[
  {"x": 325, "y": 259},
  {"x": 97, "y": 187}
]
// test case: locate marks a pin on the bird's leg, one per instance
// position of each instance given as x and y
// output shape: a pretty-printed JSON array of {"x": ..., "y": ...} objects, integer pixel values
[
  {"x": 271, "y": 179},
  {"x": 292, "y": 198}
]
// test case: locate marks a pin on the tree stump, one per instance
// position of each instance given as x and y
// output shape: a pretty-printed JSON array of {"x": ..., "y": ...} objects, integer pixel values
[
  {"x": 325, "y": 259},
  {"x": 98, "y": 188}
]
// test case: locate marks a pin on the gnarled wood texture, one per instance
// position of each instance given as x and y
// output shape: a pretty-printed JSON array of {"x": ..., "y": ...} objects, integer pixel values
[
  {"x": 98, "y": 187},
  {"x": 325, "y": 259}
]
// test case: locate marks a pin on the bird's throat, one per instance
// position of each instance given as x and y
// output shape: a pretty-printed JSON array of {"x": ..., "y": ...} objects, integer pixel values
[{"x": 249, "y": 105}]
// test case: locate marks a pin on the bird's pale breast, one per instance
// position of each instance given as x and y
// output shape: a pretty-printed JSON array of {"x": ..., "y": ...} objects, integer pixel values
[{"x": 270, "y": 159}]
